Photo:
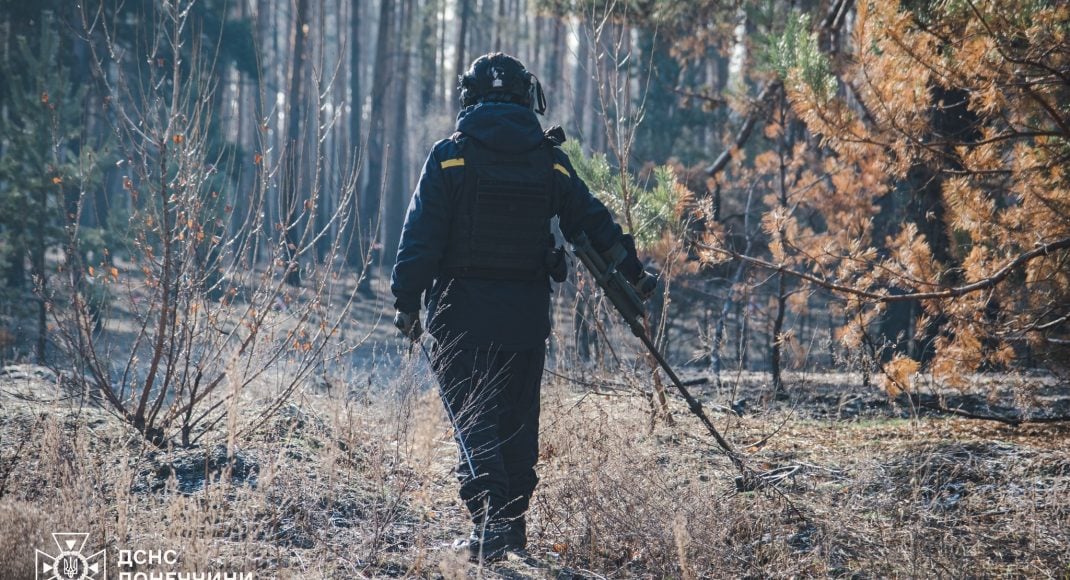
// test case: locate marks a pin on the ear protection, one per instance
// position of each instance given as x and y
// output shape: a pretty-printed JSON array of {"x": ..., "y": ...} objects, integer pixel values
[{"x": 501, "y": 78}]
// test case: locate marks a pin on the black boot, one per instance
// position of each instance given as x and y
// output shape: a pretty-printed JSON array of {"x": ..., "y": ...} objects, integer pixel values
[
  {"x": 517, "y": 534},
  {"x": 489, "y": 543}
]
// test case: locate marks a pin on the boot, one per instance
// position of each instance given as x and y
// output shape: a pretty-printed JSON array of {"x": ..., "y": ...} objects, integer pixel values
[
  {"x": 489, "y": 543},
  {"x": 517, "y": 534}
]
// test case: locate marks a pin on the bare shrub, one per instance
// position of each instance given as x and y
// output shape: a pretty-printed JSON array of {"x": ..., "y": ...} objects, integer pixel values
[{"x": 201, "y": 304}]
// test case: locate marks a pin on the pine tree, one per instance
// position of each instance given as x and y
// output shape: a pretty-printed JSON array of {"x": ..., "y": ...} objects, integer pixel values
[
  {"x": 39, "y": 167},
  {"x": 963, "y": 103}
]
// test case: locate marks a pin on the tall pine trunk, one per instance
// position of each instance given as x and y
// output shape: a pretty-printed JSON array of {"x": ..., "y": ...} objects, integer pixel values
[
  {"x": 460, "y": 64},
  {"x": 580, "y": 83},
  {"x": 397, "y": 194},
  {"x": 291, "y": 170},
  {"x": 428, "y": 55},
  {"x": 776, "y": 342},
  {"x": 376, "y": 155}
]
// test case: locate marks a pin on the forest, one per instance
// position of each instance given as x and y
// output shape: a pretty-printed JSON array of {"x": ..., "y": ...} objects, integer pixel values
[{"x": 859, "y": 211}]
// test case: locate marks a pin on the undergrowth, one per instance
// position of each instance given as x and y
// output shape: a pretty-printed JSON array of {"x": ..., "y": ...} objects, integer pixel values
[{"x": 359, "y": 482}]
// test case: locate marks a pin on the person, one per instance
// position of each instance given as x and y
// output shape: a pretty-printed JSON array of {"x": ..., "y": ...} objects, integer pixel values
[{"x": 477, "y": 245}]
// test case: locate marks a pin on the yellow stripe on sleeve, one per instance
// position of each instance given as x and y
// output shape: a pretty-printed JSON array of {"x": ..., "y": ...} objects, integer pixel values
[
  {"x": 456, "y": 162},
  {"x": 562, "y": 169}
]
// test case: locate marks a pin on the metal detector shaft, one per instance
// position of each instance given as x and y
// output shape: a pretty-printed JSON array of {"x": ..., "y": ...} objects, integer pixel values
[
  {"x": 627, "y": 302},
  {"x": 692, "y": 402}
]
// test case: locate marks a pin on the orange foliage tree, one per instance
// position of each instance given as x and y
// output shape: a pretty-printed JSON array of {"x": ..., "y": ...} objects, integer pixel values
[{"x": 964, "y": 108}]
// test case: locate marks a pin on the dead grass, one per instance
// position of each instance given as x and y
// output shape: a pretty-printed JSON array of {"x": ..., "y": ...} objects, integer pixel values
[
  {"x": 933, "y": 497},
  {"x": 358, "y": 482}
]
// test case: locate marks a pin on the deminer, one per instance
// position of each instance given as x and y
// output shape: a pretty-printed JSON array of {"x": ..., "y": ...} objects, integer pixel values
[{"x": 477, "y": 251}]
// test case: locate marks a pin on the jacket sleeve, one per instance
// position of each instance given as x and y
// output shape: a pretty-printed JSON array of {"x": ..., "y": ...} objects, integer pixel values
[
  {"x": 423, "y": 237},
  {"x": 579, "y": 210}
]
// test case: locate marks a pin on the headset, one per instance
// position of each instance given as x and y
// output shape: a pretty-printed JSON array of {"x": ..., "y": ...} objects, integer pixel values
[{"x": 498, "y": 77}]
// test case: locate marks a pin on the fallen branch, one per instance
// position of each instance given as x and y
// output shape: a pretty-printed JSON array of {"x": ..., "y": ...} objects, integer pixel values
[
  {"x": 917, "y": 400},
  {"x": 1013, "y": 421},
  {"x": 713, "y": 101}
]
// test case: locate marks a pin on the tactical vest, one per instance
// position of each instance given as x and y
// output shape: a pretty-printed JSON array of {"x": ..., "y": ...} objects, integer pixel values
[{"x": 501, "y": 224}]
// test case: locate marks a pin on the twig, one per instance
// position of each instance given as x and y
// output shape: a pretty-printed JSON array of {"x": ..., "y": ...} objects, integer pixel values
[
  {"x": 583, "y": 382},
  {"x": 761, "y": 442},
  {"x": 700, "y": 96}
]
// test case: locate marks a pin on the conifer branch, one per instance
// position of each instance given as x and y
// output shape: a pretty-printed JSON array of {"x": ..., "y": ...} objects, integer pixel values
[{"x": 954, "y": 292}]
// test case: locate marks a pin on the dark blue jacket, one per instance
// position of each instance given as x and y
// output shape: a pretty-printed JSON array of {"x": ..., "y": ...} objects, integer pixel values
[{"x": 508, "y": 314}]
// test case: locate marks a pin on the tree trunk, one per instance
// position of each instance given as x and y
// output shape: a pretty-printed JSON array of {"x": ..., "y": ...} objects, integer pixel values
[
  {"x": 554, "y": 68},
  {"x": 499, "y": 26},
  {"x": 580, "y": 83},
  {"x": 716, "y": 363},
  {"x": 536, "y": 49},
  {"x": 778, "y": 329},
  {"x": 398, "y": 194},
  {"x": 354, "y": 254},
  {"x": 265, "y": 139},
  {"x": 428, "y": 55},
  {"x": 381, "y": 80},
  {"x": 320, "y": 141},
  {"x": 291, "y": 165},
  {"x": 446, "y": 92},
  {"x": 783, "y": 148},
  {"x": 481, "y": 36},
  {"x": 240, "y": 198},
  {"x": 925, "y": 208},
  {"x": 462, "y": 36},
  {"x": 37, "y": 269}
]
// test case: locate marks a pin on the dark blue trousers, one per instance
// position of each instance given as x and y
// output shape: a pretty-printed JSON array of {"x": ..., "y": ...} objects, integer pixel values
[{"x": 493, "y": 397}]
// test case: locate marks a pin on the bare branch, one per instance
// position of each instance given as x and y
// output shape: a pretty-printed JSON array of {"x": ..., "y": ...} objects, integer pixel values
[
  {"x": 745, "y": 130},
  {"x": 983, "y": 284}
]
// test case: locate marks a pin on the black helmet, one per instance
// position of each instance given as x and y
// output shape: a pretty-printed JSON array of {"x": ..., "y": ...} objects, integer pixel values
[{"x": 500, "y": 77}]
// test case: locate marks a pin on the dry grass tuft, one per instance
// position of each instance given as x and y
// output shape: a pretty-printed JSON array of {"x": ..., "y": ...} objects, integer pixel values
[
  {"x": 23, "y": 530},
  {"x": 360, "y": 483}
]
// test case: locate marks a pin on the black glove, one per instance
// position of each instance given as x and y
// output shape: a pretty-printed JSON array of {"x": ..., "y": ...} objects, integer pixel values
[
  {"x": 409, "y": 324},
  {"x": 646, "y": 284},
  {"x": 630, "y": 266},
  {"x": 556, "y": 265}
]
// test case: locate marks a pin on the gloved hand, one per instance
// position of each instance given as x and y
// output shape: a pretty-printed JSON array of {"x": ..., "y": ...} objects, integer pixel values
[
  {"x": 409, "y": 324},
  {"x": 646, "y": 285},
  {"x": 630, "y": 266}
]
